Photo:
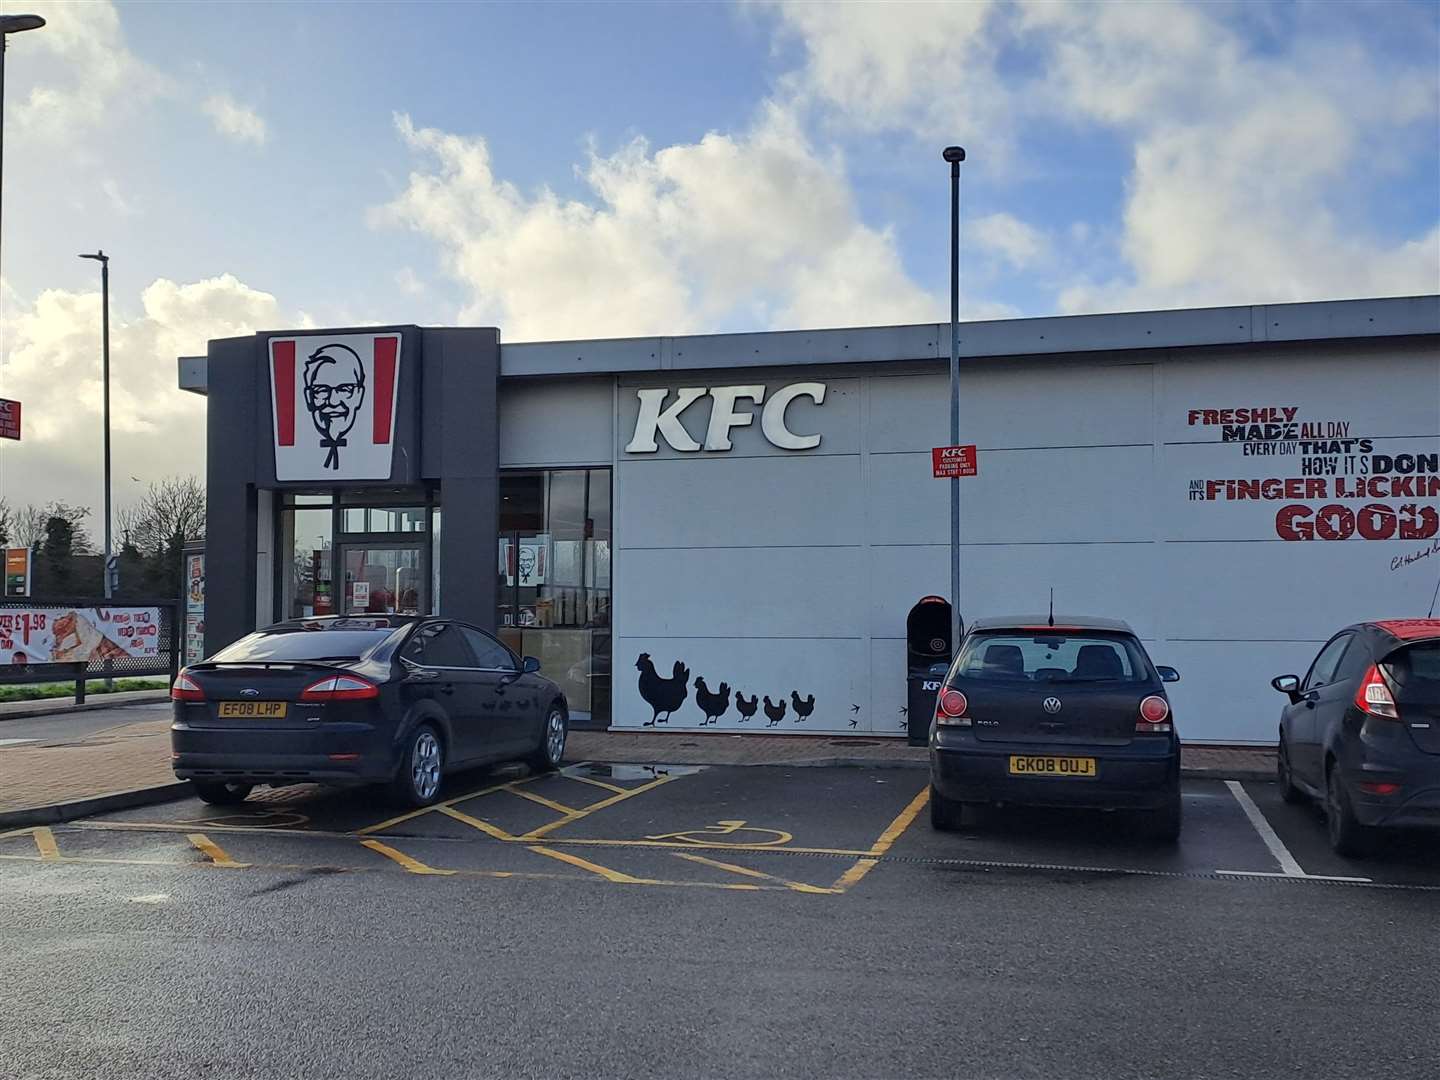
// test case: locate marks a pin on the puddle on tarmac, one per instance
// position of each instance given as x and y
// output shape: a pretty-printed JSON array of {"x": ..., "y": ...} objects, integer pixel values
[{"x": 598, "y": 771}]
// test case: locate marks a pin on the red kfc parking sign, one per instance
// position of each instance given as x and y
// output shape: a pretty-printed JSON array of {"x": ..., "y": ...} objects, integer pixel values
[
  {"x": 951, "y": 461},
  {"x": 9, "y": 419}
]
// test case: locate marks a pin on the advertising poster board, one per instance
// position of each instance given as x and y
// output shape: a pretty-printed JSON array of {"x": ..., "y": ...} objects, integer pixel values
[
  {"x": 194, "y": 607},
  {"x": 42, "y": 635},
  {"x": 17, "y": 571}
]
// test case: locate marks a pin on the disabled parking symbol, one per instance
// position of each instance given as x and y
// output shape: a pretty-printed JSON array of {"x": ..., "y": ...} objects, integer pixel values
[{"x": 710, "y": 834}]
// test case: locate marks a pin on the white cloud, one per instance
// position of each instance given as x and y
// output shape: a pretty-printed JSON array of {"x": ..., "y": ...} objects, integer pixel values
[
  {"x": 1008, "y": 238},
  {"x": 233, "y": 120},
  {"x": 1249, "y": 167},
  {"x": 409, "y": 282},
  {"x": 758, "y": 227},
  {"x": 97, "y": 74},
  {"x": 53, "y": 367}
]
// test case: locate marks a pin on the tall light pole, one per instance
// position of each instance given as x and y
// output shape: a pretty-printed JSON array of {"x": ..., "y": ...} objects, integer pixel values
[
  {"x": 954, "y": 155},
  {"x": 10, "y": 24},
  {"x": 104, "y": 261}
]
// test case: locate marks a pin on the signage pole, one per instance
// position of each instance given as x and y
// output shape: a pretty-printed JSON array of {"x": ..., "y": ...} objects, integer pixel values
[
  {"x": 105, "y": 375},
  {"x": 954, "y": 155}
]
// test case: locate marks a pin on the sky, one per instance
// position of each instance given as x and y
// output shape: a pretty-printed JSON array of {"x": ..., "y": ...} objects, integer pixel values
[{"x": 600, "y": 170}]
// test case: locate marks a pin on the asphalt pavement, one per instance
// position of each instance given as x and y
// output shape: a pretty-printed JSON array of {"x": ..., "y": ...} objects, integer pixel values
[{"x": 653, "y": 921}]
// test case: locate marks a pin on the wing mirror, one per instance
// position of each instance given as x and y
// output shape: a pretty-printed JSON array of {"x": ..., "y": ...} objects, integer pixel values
[
  {"x": 529, "y": 665},
  {"x": 1289, "y": 685},
  {"x": 1167, "y": 674}
]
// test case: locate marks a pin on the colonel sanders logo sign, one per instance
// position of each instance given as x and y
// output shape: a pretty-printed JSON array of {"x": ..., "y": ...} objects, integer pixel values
[{"x": 334, "y": 405}]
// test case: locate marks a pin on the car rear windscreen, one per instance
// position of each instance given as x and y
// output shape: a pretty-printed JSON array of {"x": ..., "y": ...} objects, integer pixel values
[
  {"x": 282, "y": 646},
  {"x": 1415, "y": 671},
  {"x": 1051, "y": 656}
]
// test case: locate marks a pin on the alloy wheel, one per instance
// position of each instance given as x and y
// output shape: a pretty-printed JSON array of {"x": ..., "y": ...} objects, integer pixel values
[
  {"x": 555, "y": 737},
  {"x": 425, "y": 765}
]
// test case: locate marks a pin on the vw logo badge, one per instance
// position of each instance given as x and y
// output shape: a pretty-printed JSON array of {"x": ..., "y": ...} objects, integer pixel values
[
  {"x": 250, "y": 691},
  {"x": 1051, "y": 705}
]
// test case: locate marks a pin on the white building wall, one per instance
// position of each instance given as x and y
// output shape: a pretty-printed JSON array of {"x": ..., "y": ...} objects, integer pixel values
[{"x": 778, "y": 571}]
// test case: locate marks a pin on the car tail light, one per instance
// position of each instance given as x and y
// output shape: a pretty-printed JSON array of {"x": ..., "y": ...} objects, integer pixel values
[
  {"x": 186, "y": 689},
  {"x": 950, "y": 709},
  {"x": 340, "y": 688},
  {"x": 1374, "y": 697},
  {"x": 1372, "y": 787},
  {"x": 1154, "y": 715}
]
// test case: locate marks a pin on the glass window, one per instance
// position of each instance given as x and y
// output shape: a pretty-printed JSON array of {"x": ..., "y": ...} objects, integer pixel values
[
  {"x": 307, "y": 580},
  {"x": 304, "y": 644},
  {"x": 382, "y": 580},
  {"x": 1323, "y": 669},
  {"x": 439, "y": 645},
  {"x": 373, "y": 519},
  {"x": 1046, "y": 656},
  {"x": 554, "y": 580},
  {"x": 489, "y": 653}
]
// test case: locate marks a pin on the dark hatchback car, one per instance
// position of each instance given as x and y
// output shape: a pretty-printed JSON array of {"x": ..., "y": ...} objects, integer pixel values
[
  {"x": 1070, "y": 713},
  {"x": 1362, "y": 731},
  {"x": 389, "y": 699}
]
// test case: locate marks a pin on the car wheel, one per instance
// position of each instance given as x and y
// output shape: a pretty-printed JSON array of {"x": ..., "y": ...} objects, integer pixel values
[
  {"x": 946, "y": 815},
  {"x": 1288, "y": 791},
  {"x": 551, "y": 751},
  {"x": 1164, "y": 824},
  {"x": 422, "y": 765},
  {"x": 219, "y": 793},
  {"x": 1347, "y": 836}
]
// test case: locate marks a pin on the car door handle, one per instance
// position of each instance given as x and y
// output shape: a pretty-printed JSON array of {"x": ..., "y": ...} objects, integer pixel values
[{"x": 448, "y": 688}]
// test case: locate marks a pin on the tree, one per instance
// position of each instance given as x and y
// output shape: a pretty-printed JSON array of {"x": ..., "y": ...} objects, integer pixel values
[
  {"x": 7, "y": 521},
  {"x": 153, "y": 533}
]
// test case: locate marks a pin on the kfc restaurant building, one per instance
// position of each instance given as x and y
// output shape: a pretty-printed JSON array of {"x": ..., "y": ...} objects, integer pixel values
[{"x": 700, "y": 532}]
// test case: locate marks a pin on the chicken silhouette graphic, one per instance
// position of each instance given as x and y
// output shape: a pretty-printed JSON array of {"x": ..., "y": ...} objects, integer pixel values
[
  {"x": 776, "y": 713},
  {"x": 713, "y": 705},
  {"x": 803, "y": 707},
  {"x": 662, "y": 695},
  {"x": 747, "y": 708}
]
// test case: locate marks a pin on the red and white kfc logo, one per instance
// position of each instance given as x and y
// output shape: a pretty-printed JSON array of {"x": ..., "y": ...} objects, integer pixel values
[{"x": 334, "y": 405}]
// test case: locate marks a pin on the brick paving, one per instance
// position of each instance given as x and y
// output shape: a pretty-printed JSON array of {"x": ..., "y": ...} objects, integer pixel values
[{"x": 136, "y": 755}]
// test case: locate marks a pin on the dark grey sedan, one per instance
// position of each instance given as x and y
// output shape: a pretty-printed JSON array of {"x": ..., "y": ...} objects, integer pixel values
[
  {"x": 386, "y": 699},
  {"x": 1361, "y": 732}
]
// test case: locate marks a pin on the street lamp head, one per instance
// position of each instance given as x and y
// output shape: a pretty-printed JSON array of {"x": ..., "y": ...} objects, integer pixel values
[
  {"x": 99, "y": 257},
  {"x": 14, "y": 24},
  {"x": 953, "y": 154}
]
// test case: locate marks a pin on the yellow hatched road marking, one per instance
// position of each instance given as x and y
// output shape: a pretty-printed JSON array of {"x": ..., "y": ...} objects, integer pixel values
[
  {"x": 798, "y": 886},
  {"x": 551, "y": 803},
  {"x": 594, "y": 868},
  {"x": 415, "y": 866},
  {"x": 411, "y": 815},
  {"x": 214, "y": 852},
  {"x": 45, "y": 843},
  {"x": 476, "y": 823},
  {"x": 535, "y": 834},
  {"x": 596, "y": 783}
]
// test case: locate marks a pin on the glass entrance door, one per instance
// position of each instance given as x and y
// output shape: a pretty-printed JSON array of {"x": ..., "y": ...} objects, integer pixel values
[{"x": 383, "y": 578}]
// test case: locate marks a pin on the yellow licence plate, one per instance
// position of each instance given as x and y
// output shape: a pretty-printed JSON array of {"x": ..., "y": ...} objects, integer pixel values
[
  {"x": 1061, "y": 767},
  {"x": 257, "y": 710}
]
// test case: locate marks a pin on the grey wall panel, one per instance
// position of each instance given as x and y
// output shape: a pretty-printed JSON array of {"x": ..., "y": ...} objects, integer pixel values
[
  {"x": 1224, "y": 693},
  {"x": 230, "y": 516},
  {"x": 1019, "y": 497},
  {"x": 731, "y": 592},
  {"x": 834, "y": 673},
  {"x": 900, "y": 576},
  {"x": 741, "y": 501},
  {"x": 886, "y": 708},
  {"x": 836, "y": 421},
  {"x": 555, "y": 422}
]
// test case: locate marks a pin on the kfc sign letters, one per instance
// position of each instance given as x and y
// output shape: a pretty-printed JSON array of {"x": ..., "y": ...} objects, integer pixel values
[
  {"x": 951, "y": 461},
  {"x": 657, "y": 418},
  {"x": 334, "y": 403}
]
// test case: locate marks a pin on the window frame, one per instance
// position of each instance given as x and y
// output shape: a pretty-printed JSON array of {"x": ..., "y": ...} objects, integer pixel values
[
  {"x": 1345, "y": 637},
  {"x": 435, "y": 625}
]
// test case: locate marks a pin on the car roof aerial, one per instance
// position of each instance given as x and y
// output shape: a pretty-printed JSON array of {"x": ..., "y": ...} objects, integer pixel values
[{"x": 1043, "y": 622}]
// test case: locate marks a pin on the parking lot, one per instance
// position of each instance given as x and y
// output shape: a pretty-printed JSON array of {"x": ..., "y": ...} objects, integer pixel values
[{"x": 819, "y": 832}]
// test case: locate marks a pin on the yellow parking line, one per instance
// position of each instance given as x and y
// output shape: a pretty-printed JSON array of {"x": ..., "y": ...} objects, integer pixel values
[
  {"x": 901, "y": 822},
  {"x": 854, "y": 874},
  {"x": 594, "y": 868},
  {"x": 476, "y": 823},
  {"x": 687, "y": 846},
  {"x": 45, "y": 843},
  {"x": 596, "y": 783},
  {"x": 551, "y": 803},
  {"x": 214, "y": 852},
  {"x": 392, "y": 822},
  {"x": 798, "y": 886},
  {"x": 535, "y": 834},
  {"x": 415, "y": 866}
]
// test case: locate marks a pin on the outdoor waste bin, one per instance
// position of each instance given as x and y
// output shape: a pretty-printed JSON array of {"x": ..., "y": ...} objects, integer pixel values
[{"x": 927, "y": 657}]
